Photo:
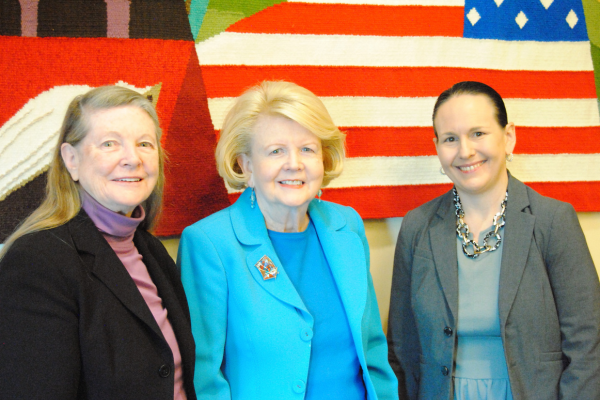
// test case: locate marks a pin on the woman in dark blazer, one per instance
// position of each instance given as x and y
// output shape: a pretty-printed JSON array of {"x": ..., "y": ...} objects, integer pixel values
[
  {"x": 516, "y": 315},
  {"x": 92, "y": 306}
]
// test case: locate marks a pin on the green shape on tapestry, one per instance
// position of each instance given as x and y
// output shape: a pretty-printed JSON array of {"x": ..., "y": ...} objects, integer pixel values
[
  {"x": 216, "y": 22},
  {"x": 591, "y": 9},
  {"x": 196, "y": 11},
  {"x": 246, "y": 7},
  {"x": 596, "y": 60},
  {"x": 221, "y": 14}
]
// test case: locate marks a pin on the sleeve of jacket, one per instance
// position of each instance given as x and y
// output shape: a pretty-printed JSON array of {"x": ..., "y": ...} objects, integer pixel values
[
  {"x": 39, "y": 334},
  {"x": 576, "y": 292},
  {"x": 382, "y": 376},
  {"x": 403, "y": 339},
  {"x": 205, "y": 284}
]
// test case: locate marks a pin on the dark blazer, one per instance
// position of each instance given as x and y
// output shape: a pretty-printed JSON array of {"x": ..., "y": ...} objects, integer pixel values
[
  {"x": 549, "y": 301},
  {"x": 73, "y": 324}
]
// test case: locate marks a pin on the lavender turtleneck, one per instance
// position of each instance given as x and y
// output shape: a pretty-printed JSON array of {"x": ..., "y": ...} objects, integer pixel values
[{"x": 118, "y": 230}]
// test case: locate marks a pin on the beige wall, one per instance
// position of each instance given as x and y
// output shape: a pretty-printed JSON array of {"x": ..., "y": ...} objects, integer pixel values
[{"x": 382, "y": 240}]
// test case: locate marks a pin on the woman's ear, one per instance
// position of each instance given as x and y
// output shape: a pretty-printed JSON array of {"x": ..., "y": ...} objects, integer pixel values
[
  {"x": 71, "y": 159},
  {"x": 511, "y": 137},
  {"x": 246, "y": 165}
]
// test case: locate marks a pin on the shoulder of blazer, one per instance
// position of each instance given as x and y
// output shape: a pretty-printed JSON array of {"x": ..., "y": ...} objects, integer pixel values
[
  {"x": 58, "y": 243},
  {"x": 335, "y": 216},
  {"x": 527, "y": 200},
  {"x": 419, "y": 220}
]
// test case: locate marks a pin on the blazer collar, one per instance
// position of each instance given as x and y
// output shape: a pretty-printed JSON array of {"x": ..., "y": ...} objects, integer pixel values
[
  {"x": 101, "y": 260},
  {"x": 250, "y": 229},
  {"x": 345, "y": 253},
  {"x": 518, "y": 233},
  {"x": 443, "y": 241}
]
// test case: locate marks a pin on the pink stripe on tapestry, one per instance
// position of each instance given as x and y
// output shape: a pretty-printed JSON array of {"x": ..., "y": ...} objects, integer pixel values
[
  {"x": 29, "y": 17},
  {"x": 117, "y": 16}
]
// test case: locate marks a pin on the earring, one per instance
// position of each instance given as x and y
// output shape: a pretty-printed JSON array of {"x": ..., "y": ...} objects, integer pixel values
[
  {"x": 319, "y": 195},
  {"x": 252, "y": 198},
  {"x": 510, "y": 157},
  {"x": 442, "y": 171}
]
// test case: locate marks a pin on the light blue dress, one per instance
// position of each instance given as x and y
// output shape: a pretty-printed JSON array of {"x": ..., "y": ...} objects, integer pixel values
[{"x": 480, "y": 371}]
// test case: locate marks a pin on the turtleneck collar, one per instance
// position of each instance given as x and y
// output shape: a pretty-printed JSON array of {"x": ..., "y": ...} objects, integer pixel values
[{"x": 108, "y": 221}]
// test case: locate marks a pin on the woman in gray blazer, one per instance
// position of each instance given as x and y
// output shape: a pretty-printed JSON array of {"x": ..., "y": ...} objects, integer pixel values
[{"x": 494, "y": 295}]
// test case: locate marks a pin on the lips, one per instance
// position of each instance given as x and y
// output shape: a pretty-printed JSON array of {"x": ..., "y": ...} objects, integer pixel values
[
  {"x": 128, "y": 180},
  {"x": 471, "y": 167}
]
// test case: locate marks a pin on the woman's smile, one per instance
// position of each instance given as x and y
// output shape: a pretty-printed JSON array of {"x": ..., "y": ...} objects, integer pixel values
[
  {"x": 469, "y": 168},
  {"x": 292, "y": 183}
]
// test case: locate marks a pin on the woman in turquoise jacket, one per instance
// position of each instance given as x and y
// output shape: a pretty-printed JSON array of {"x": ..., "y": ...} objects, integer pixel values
[{"x": 280, "y": 293}]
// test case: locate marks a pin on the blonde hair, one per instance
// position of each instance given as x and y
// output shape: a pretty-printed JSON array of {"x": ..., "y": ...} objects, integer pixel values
[
  {"x": 62, "y": 201},
  {"x": 282, "y": 99}
]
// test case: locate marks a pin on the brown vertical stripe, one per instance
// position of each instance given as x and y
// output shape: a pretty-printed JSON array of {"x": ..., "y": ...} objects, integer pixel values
[
  {"x": 72, "y": 18},
  {"x": 159, "y": 19},
  {"x": 10, "y": 18},
  {"x": 29, "y": 17},
  {"x": 117, "y": 15}
]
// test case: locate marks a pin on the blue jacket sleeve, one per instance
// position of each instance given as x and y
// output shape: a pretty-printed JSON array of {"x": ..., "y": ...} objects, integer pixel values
[
  {"x": 375, "y": 343},
  {"x": 205, "y": 284}
]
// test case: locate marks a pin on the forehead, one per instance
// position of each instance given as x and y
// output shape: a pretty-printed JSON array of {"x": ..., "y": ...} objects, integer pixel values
[
  {"x": 121, "y": 119},
  {"x": 273, "y": 128},
  {"x": 466, "y": 109}
]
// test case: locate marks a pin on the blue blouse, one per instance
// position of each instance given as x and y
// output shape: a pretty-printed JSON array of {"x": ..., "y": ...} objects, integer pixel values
[
  {"x": 480, "y": 371},
  {"x": 334, "y": 370}
]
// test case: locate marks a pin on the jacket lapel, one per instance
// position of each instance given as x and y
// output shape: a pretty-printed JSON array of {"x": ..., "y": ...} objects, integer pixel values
[
  {"x": 443, "y": 243},
  {"x": 346, "y": 257},
  {"x": 102, "y": 261},
  {"x": 518, "y": 232},
  {"x": 250, "y": 229},
  {"x": 166, "y": 291}
]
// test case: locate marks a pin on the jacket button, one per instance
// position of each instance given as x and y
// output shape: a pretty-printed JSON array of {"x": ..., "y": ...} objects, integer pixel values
[
  {"x": 448, "y": 331},
  {"x": 306, "y": 334},
  {"x": 299, "y": 386},
  {"x": 164, "y": 371},
  {"x": 445, "y": 371}
]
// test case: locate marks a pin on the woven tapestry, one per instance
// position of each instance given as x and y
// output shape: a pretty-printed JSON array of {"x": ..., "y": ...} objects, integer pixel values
[
  {"x": 53, "y": 50},
  {"x": 378, "y": 66}
]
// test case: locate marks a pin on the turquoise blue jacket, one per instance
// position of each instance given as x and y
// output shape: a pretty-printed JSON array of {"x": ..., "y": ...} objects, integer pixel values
[{"x": 253, "y": 336}]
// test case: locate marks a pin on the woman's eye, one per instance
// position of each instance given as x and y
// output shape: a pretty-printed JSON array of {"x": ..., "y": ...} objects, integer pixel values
[
  {"x": 108, "y": 144},
  {"x": 479, "y": 134},
  {"x": 276, "y": 151},
  {"x": 308, "y": 149},
  {"x": 146, "y": 144},
  {"x": 450, "y": 139}
]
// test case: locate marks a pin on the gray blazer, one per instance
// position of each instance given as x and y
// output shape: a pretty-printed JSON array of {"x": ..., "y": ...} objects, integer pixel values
[{"x": 549, "y": 301}]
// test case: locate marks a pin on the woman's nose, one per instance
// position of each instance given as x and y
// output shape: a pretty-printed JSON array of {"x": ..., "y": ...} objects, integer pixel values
[
  {"x": 293, "y": 160},
  {"x": 466, "y": 149},
  {"x": 131, "y": 156}
]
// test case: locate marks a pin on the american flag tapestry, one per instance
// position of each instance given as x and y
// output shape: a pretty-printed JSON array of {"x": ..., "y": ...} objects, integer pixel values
[{"x": 378, "y": 66}]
